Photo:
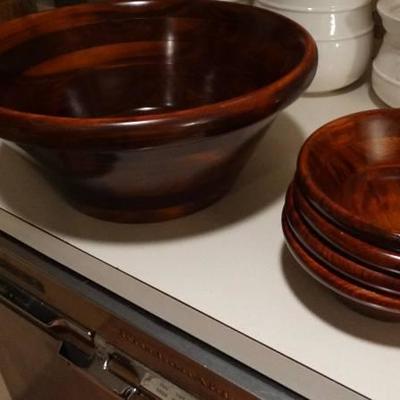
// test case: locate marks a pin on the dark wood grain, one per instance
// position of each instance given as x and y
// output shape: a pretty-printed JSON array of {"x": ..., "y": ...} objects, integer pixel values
[
  {"x": 10, "y": 9},
  {"x": 360, "y": 273},
  {"x": 350, "y": 171},
  {"x": 148, "y": 110},
  {"x": 378, "y": 258},
  {"x": 366, "y": 301}
]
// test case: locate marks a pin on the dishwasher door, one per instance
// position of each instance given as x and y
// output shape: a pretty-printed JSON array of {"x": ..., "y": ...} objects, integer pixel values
[
  {"x": 33, "y": 368},
  {"x": 46, "y": 355},
  {"x": 63, "y": 337}
]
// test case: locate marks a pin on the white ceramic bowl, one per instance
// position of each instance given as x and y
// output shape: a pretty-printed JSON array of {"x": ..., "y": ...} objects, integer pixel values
[
  {"x": 389, "y": 10},
  {"x": 343, "y": 30},
  {"x": 386, "y": 66},
  {"x": 386, "y": 88},
  {"x": 341, "y": 62}
]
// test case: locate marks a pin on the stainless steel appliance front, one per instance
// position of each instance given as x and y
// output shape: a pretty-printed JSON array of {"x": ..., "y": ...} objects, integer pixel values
[{"x": 63, "y": 337}]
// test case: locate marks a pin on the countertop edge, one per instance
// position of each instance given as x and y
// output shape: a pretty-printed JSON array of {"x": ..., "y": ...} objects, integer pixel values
[{"x": 269, "y": 362}]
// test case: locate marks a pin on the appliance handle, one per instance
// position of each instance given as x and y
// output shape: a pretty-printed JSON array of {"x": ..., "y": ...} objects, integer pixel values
[
  {"x": 41, "y": 314},
  {"x": 125, "y": 377}
]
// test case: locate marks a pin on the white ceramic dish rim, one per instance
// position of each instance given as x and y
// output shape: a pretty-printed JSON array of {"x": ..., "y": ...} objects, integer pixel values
[
  {"x": 384, "y": 8},
  {"x": 314, "y": 8},
  {"x": 384, "y": 76}
]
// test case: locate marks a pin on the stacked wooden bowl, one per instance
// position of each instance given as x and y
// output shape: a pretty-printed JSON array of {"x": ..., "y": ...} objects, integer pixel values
[{"x": 341, "y": 218}]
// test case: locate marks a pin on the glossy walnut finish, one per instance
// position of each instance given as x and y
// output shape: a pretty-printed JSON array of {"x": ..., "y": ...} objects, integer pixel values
[
  {"x": 378, "y": 258},
  {"x": 147, "y": 110},
  {"x": 350, "y": 171},
  {"x": 361, "y": 274},
  {"x": 365, "y": 301}
]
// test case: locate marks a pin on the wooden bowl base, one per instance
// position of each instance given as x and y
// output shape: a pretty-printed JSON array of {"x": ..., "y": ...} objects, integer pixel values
[{"x": 150, "y": 215}]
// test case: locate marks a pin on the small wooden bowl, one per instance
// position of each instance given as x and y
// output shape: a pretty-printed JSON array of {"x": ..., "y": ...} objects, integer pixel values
[
  {"x": 148, "y": 110},
  {"x": 359, "y": 273},
  {"x": 350, "y": 171},
  {"x": 378, "y": 258},
  {"x": 373, "y": 304}
]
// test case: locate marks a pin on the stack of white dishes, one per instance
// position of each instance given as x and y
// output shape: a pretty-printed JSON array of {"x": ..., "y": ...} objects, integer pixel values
[
  {"x": 386, "y": 66},
  {"x": 343, "y": 30}
]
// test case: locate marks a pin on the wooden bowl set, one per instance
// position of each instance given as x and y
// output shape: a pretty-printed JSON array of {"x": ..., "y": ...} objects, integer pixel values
[{"x": 341, "y": 218}]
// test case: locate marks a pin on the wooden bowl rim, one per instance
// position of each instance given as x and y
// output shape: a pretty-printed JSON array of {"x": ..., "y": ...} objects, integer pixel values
[
  {"x": 271, "y": 97},
  {"x": 336, "y": 261},
  {"x": 392, "y": 262},
  {"x": 330, "y": 280}
]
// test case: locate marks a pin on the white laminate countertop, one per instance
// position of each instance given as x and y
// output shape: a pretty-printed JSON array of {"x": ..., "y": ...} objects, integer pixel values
[{"x": 223, "y": 274}]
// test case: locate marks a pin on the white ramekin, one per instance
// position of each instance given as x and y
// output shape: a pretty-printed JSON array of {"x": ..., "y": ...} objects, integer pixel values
[
  {"x": 386, "y": 66},
  {"x": 343, "y": 30}
]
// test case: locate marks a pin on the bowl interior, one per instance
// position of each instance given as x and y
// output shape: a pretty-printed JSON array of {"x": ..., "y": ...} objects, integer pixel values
[
  {"x": 121, "y": 59},
  {"x": 350, "y": 169}
]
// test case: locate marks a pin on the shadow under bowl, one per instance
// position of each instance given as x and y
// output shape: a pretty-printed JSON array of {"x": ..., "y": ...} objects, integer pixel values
[
  {"x": 377, "y": 258},
  {"x": 365, "y": 301},
  {"x": 349, "y": 170},
  {"x": 143, "y": 111},
  {"x": 343, "y": 265}
]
